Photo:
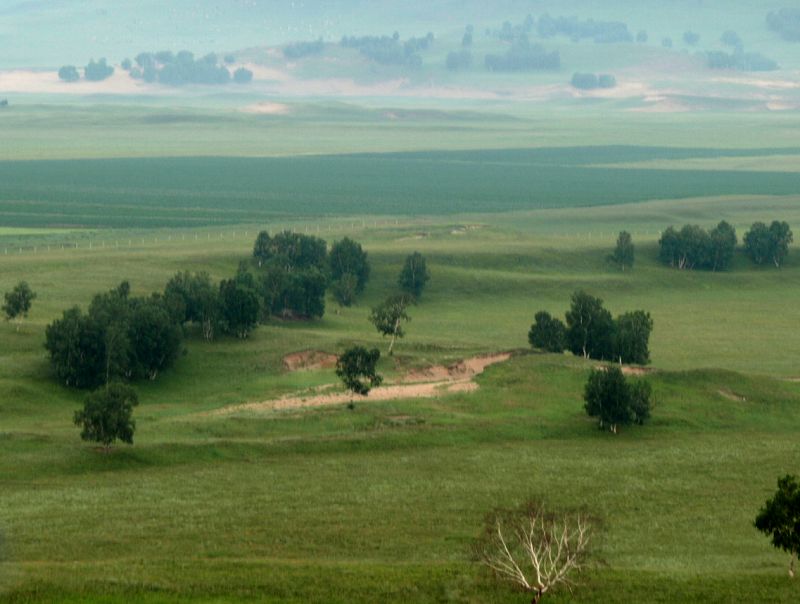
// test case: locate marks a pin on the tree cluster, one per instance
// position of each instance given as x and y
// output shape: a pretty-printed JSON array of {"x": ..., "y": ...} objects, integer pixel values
[
  {"x": 97, "y": 71},
  {"x": 591, "y": 81},
  {"x": 120, "y": 337},
  {"x": 768, "y": 244},
  {"x": 691, "y": 38},
  {"x": 179, "y": 69},
  {"x": 602, "y": 32},
  {"x": 524, "y": 56},
  {"x": 786, "y": 23},
  {"x": 300, "y": 50},
  {"x": 349, "y": 270},
  {"x": 740, "y": 60},
  {"x": 458, "y": 60},
  {"x": 510, "y": 32},
  {"x": 69, "y": 73},
  {"x": 693, "y": 247},
  {"x": 390, "y": 50},
  {"x": 591, "y": 332},
  {"x": 616, "y": 401}
]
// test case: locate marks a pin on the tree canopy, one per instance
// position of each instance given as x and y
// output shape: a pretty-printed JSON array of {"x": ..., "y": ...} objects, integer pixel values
[
  {"x": 414, "y": 276},
  {"x": 69, "y": 73},
  {"x": 548, "y": 333},
  {"x": 589, "y": 327},
  {"x": 388, "y": 317},
  {"x": 764, "y": 244},
  {"x": 779, "y": 518},
  {"x": 107, "y": 415},
  {"x": 356, "y": 367},
  {"x": 614, "y": 401},
  {"x": 97, "y": 71},
  {"x": 18, "y": 302},
  {"x": 348, "y": 257},
  {"x": 623, "y": 255},
  {"x": 696, "y": 248}
]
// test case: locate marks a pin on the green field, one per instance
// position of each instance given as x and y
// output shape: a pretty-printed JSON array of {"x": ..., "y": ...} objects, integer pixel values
[{"x": 381, "y": 503}]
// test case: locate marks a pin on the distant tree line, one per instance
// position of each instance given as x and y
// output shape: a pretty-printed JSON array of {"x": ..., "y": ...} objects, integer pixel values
[
  {"x": 458, "y": 60},
  {"x": 591, "y": 332},
  {"x": 523, "y": 56},
  {"x": 182, "y": 68},
  {"x": 693, "y": 247},
  {"x": 300, "y": 50},
  {"x": 691, "y": 38},
  {"x": 390, "y": 50},
  {"x": 95, "y": 71},
  {"x": 786, "y": 23},
  {"x": 591, "y": 81},
  {"x": 741, "y": 61},
  {"x": 603, "y": 32}
]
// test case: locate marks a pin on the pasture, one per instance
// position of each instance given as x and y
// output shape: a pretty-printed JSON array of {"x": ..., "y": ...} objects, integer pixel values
[{"x": 382, "y": 502}]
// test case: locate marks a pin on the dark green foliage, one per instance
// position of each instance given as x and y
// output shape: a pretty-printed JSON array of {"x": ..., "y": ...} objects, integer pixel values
[
  {"x": 780, "y": 518},
  {"x": 107, "y": 415},
  {"x": 69, "y": 73},
  {"x": 192, "y": 298},
  {"x": 345, "y": 289},
  {"x": 785, "y": 22},
  {"x": 765, "y": 244},
  {"x": 623, "y": 255},
  {"x": 18, "y": 301},
  {"x": 609, "y": 397},
  {"x": 292, "y": 251},
  {"x": 300, "y": 50},
  {"x": 389, "y": 316},
  {"x": 575, "y": 29},
  {"x": 695, "y": 248},
  {"x": 119, "y": 337},
  {"x": 590, "y": 328},
  {"x": 97, "y": 71},
  {"x": 348, "y": 257},
  {"x": 632, "y": 336},
  {"x": 548, "y": 333},
  {"x": 179, "y": 69},
  {"x": 414, "y": 276},
  {"x": 691, "y": 38},
  {"x": 742, "y": 61},
  {"x": 386, "y": 50},
  {"x": 239, "y": 305},
  {"x": 76, "y": 346},
  {"x": 242, "y": 76},
  {"x": 357, "y": 369},
  {"x": 591, "y": 81}
]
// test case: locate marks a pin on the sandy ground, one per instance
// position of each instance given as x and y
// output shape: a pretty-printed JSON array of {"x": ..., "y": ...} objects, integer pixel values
[{"x": 426, "y": 383}]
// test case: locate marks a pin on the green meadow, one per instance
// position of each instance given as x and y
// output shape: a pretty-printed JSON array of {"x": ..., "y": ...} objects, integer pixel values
[{"x": 383, "y": 501}]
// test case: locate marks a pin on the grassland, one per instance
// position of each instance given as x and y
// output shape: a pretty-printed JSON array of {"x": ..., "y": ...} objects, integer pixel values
[{"x": 382, "y": 502}]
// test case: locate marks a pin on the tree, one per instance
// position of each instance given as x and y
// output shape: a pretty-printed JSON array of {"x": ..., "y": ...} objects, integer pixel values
[
  {"x": 242, "y": 76},
  {"x": 723, "y": 246},
  {"x": 780, "y": 519},
  {"x": 69, "y": 73},
  {"x": 348, "y": 257},
  {"x": 623, "y": 255},
  {"x": 18, "y": 302},
  {"x": 768, "y": 244},
  {"x": 548, "y": 333},
  {"x": 107, "y": 415},
  {"x": 610, "y": 398},
  {"x": 110, "y": 311},
  {"x": 76, "y": 345},
  {"x": 262, "y": 249},
  {"x": 239, "y": 306},
  {"x": 356, "y": 368},
  {"x": 414, "y": 275},
  {"x": 691, "y": 38},
  {"x": 193, "y": 298},
  {"x": 535, "y": 548},
  {"x": 155, "y": 339},
  {"x": 388, "y": 317},
  {"x": 345, "y": 289},
  {"x": 97, "y": 71},
  {"x": 632, "y": 336},
  {"x": 589, "y": 327}
]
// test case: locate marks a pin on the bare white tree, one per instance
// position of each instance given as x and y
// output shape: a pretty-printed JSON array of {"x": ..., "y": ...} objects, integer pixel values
[{"x": 536, "y": 549}]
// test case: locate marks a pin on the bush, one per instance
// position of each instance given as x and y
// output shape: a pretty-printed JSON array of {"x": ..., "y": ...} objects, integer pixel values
[
  {"x": 614, "y": 401},
  {"x": 98, "y": 71}
]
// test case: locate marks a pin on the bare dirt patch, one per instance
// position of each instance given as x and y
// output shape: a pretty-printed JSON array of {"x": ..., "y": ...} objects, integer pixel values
[
  {"x": 731, "y": 396},
  {"x": 309, "y": 360},
  {"x": 442, "y": 380},
  {"x": 632, "y": 370}
]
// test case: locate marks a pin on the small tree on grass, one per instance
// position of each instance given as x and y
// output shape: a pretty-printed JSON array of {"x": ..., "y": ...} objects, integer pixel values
[
  {"x": 780, "y": 519},
  {"x": 388, "y": 318},
  {"x": 357, "y": 369},
  {"x": 610, "y": 398},
  {"x": 18, "y": 303},
  {"x": 623, "y": 255},
  {"x": 535, "y": 548},
  {"x": 548, "y": 333},
  {"x": 107, "y": 415}
]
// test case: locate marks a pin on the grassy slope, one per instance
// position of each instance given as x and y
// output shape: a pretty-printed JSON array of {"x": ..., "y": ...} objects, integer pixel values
[{"x": 381, "y": 503}]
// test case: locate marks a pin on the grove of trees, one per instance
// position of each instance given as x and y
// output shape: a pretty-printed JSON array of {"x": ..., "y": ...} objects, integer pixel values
[
  {"x": 591, "y": 81},
  {"x": 616, "y": 401},
  {"x": 523, "y": 56},
  {"x": 591, "y": 332},
  {"x": 97, "y": 71},
  {"x": 69, "y": 73},
  {"x": 768, "y": 244},
  {"x": 182, "y": 68},
  {"x": 696, "y": 248}
]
